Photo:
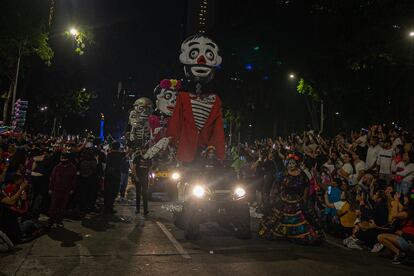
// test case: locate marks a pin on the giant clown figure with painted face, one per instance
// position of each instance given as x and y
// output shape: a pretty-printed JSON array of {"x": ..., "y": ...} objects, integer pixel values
[
  {"x": 197, "y": 120},
  {"x": 200, "y": 56}
]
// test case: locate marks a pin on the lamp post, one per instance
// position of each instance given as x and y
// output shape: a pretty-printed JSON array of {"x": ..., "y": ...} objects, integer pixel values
[{"x": 74, "y": 32}]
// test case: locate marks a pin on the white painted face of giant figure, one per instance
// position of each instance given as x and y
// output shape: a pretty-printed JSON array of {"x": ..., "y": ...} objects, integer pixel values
[
  {"x": 166, "y": 101},
  {"x": 200, "y": 55},
  {"x": 166, "y": 94}
]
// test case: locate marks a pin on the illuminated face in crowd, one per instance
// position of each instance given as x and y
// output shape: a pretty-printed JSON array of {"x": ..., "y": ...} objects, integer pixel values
[
  {"x": 166, "y": 94},
  {"x": 200, "y": 55},
  {"x": 292, "y": 164}
]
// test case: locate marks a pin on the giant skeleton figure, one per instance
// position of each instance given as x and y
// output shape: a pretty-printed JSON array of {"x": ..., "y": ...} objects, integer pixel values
[
  {"x": 197, "y": 120},
  {"x": 166, "y": 96},
  {"x": 138, "y": 119}
]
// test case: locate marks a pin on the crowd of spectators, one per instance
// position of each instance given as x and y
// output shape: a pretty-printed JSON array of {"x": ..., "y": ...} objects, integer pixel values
[
  {"x": 360, "y": 184},
  {"x": 50, "y": 178}
]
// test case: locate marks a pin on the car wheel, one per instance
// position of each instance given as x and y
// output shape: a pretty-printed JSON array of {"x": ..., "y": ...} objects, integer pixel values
[
  {"x": 192, "y": 223},
  {"x": 242, "y": 224}
]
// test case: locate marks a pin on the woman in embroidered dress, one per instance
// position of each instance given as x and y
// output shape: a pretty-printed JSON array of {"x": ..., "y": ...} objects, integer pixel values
[{"x": 287, "y": 215}]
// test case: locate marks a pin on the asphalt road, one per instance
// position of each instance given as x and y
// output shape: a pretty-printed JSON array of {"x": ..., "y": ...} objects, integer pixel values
[{"x": 129, "y": 244}]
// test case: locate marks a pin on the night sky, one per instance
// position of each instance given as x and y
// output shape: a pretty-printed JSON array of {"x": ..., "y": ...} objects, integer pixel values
[{"x": 138, "y": 43}]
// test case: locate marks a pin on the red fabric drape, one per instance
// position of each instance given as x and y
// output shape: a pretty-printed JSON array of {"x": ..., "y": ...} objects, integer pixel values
[{"x": 184, "y": 133}]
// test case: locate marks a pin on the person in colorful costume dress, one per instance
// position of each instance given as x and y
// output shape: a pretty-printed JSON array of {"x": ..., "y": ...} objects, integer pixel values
[{"x": 286, "y": 216}]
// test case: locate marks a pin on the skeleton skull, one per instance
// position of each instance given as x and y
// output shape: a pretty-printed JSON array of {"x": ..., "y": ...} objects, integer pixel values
[
  {"x": 134, "y": 118},
  {"x": 200, "y": 55},
  {"x": 166, "y": 97},
  {"x": 143, "y": 106}
]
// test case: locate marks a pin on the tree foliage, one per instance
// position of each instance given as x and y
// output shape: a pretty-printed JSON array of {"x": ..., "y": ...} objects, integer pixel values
[
  {"x": 79, "y": 102},
  {"x": 306, "y": 89},
  {"x": 82, "y": 38},
  {"x": 23, "y": 31}
]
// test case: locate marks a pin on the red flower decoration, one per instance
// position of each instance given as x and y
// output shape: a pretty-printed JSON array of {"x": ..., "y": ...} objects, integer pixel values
[
  {"x": 170, "y": 84},
  {"x": 165, "y": 84}
]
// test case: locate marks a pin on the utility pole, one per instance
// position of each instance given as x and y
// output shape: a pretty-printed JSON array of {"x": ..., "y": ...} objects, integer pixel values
[
  {"x": 16, "y": 79},
  {"x": 53, "y": 134},
  {"x": 322, "y": 116}
]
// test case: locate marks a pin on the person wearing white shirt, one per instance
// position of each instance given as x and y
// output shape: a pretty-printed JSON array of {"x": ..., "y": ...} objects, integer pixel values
[
  {"x": 359, "y": 169},
  {"x": 372, "y": 154},
  {"x": 407, "y": 174},
  {"x": 396, "y": 140},
  {"x": 384, "y": 161},
  {"x": 347, "y": 170}
]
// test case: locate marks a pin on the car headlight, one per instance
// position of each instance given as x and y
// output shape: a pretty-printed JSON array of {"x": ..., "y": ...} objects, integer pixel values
[
  {"x": 199, "y": 191},
  {"x": 240, "y": 192},
  {"x": 175, "y": 176}
]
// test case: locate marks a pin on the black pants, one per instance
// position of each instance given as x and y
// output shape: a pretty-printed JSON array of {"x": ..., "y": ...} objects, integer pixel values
[
  {"x": 141, "y": 187},
  {"x": 39, "y": 196},
  {"x": 10, "y": 226},
  {"x": 369, "y": 237},
  {"x": 88, "y": 191},
  {"x": 111, "y": 188}
]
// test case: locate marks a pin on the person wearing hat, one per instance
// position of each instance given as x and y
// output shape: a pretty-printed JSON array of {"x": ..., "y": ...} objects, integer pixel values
[{"x": 62, "y": 185}]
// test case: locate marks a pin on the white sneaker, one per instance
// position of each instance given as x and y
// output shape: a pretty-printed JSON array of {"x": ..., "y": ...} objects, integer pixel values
[
  {"x": 377, "y": 248},
  {"x": 354, "y": 245},
  {"x": 348, "y": 240}
]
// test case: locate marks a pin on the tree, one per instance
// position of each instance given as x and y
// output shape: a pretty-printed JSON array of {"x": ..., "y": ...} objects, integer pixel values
[
  {"x": 233, "y": 120},
  {"x": 80, "y": 102},
  {"x": 23, "y": 33},
  {"x": 82, "y": 38},
  {"x": 312, "y": 99}
]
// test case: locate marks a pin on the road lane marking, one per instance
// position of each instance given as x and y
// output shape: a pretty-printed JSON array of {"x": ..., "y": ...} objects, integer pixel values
[{"x": 174, "y": 242}]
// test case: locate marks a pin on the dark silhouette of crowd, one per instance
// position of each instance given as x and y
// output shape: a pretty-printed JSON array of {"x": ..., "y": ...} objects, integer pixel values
[{"x": 44, "y": 179}]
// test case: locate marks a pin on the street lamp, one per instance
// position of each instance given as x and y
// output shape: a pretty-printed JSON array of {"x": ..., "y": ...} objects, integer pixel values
[
  {"x": 411, "y": 34},
  {"x": 337, "y": 113},
  {"x": 291, "y": 76},
  {"x": 74, "y": 32}
]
